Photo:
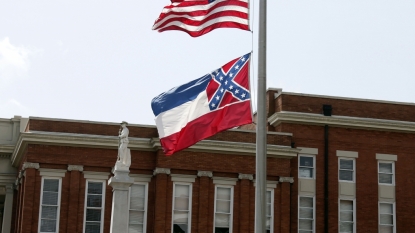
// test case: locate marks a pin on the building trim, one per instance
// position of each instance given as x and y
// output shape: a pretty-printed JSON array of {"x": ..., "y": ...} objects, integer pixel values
[
  {"x": 96, "y": 175},
  {"x": 386, "y": 157},
  {"x": 347, "y": 154},
  {"x": 183, "y": 178},
  {"x": 245, "y": 176},
  {"x": 342, "y": 121},
  {"x": 76, "y": 168},
  {"x": 141, "y": 178},
  {"x": 205, "y": 173},
  {"x": 224, "y": 180},
  {"x": 160, "y": 170},
  {"x": 306, "y": 150},
  {"x": 52, "y": 172}
]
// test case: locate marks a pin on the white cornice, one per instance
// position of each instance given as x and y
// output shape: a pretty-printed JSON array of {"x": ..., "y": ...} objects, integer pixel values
[
  {"x": 342, "y": 121},
  {"x": 147, "y": 144},
  {"x": 6, "y": 149}
]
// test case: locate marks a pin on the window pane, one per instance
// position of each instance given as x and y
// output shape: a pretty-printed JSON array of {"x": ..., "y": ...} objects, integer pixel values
[
  {"x": 346, "y": 205},
  {"x": 346, "y": 216},
  {"x": 223, "y": 193},
  {"x": 136, "y": 217},
  {"x": 180, "y": 228},
  {"x": 49, "y": 212},
  {"x": 346, "y": 164},
  {"x": 268, "y": 223},
  {"x": 50, "y": 198},
  {"x": 51, "y": 185},
  {"x": 223, "y": 206},
  {"x": 93, "y": 215},
  {"x": 181, "y": 203},
  {"x": 386, "y": 219},
  {"x": 306, "y": 172},
  {"x": 306, "y": 161},
  {"x": 306, "y": 202},
  {"x": 92, "y": 227},
  {"x": 135, "y": 228},
  {"x": 305, "y": 224},
  {"x": 386, "y": 208},
  {"x": 94, "y": 187},
  {"x": 221, "y": 230},
  {"x": 268, "y": 196},
  {"x": 385, "y": 229},
  {"x": 346, "y": 227},
  {"x": 346, "y": 175},
  {"x": 47, "y": 225},
  {"x": 304, "y": 231},
  {"x": 306, "y": 213},
  {"x": 385, "y": 178},
  {"x": 94, "y": 201},
  {"x": 222, "y": 220},
  {"x": 181, "y": 190},
  {"x": 137, "y": 197},
  {"x": 385, "y": 168},
  {"x": 268, "y": 211},
  {"x": 180, "y": 217}
]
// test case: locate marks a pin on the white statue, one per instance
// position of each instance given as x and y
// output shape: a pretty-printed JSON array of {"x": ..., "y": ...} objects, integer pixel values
[{"x": 124, "y": 154}]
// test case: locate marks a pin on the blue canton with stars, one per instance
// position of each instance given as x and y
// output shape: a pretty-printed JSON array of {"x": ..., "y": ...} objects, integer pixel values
[
  {"x": 227, "y": 84},
  {"x": 210, "y": 1}
]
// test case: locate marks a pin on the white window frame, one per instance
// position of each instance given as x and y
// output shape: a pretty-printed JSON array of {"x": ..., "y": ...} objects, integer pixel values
[
  {"x": 271, "y": 229},
  {"x": 231, "y": 207},
  {"x": 189, "y": 219},
  {"x": 103, "y": 202},
  {"x": 145, "y": 203},
  {"x": 314, "y": 166},
  {"x": 354, "y": 212},
  {"x": 354, "y": 170},
  {"x": 314, "y": 212},
  {"x": 393, "y": 172},
  {"x": 393, "y": 215},
  {"x": 59, "y": 201}
]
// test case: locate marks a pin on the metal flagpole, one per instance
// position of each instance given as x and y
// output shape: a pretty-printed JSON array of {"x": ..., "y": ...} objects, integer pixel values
[{"x": 261, "y": 132}]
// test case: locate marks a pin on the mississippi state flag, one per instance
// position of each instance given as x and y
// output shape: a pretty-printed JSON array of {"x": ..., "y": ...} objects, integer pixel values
[
  {"x": 203, "y": 107},
  {"x": 198, "y": 17}
]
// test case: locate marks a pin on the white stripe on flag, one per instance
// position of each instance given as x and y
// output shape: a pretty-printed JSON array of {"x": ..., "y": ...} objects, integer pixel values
[
  {"x": 207, "y": 24},
  {"x": 195, "y": 8}
]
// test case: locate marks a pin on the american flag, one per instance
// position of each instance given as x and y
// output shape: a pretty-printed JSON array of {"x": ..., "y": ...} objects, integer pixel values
[{"x": 198, "y": 17}]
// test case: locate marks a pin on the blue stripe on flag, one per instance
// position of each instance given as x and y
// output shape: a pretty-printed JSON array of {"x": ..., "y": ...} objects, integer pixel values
[{"x": 179, "y": 95}]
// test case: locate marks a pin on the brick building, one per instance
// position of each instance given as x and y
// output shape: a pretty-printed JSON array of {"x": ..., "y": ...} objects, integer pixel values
[{"x": 334, "y": 165}]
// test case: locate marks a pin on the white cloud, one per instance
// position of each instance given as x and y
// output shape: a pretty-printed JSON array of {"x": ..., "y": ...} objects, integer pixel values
[{"x": 14, "y": 60}]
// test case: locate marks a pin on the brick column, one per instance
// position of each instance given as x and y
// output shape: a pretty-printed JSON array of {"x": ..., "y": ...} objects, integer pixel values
[
  {"x": 285, "y": 203},
  {"x": 244, "y": 202},
  {"x": 73, "y": 203},
  {"x": 203, "y": 200},
  {"x": 28, "y": 196},
  {"x": 160, "y": 207}
]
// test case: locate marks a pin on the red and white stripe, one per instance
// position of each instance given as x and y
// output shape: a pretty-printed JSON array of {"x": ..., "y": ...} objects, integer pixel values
[{"x": 200, "y": 17}]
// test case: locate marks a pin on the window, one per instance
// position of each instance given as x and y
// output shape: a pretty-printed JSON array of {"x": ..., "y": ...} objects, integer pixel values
[
  {"x": 306, "y": 167},
  {"x": 137, "y": 208},
  {"x": 346, "y": 170},
  {"x": 223, "y": 209},
  {"x": 386, "y": 218},
  {"x": 306, "y": 215},
  {"x": 346, "y": 216},
  {"x": 50, "y": 205},
  {"x": 182, "y": 205},
  {"x": 270, "y": 210},
  {"x": 386, "y": 172},
  {"x": 94, "y": 208}
]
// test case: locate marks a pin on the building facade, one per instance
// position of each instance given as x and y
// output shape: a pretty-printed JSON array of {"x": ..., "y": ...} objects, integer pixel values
[{"x": 334, "y": 165}]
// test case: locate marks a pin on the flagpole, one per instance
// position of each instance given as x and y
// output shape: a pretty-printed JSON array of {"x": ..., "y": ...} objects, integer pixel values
[{"x": 261, "y": 133}]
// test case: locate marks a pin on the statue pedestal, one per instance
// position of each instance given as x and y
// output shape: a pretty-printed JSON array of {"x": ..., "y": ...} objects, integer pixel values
[{"x": 120, "y": 184}]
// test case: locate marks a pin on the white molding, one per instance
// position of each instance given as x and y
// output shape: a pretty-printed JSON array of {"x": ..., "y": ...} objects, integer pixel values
[
  {"x": 387, "y": 157},
  {"x": 347, "y": 154},
  {"x": 224, "y": 180},
  {"x": 141, "y": 177},
  {"x": 183, "y": 178},
  {"x": 286, "y": 179},
  {"x": 52, "y": 172},
  {"x": 76, "y": 168},
  {"x": 271, "y": 184},
  {"x": 307, "y": 150},
  {"x": 205, "y": 173},
  {"x": 160, "y": 170},
  {"x": 96, "y": 175},
  {"x": 245, "y": 176},
  {"x": 30, "y": 165},
  {"x": 342, "y": 121}
]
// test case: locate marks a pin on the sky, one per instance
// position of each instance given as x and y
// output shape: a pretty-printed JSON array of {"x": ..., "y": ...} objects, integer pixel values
[{"x": 100, "y": 60}]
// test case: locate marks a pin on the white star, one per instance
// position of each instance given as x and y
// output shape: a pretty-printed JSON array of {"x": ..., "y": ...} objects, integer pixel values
[
  {"x": 236, "y": 67},
  {"x": 226, "y": 82},
  {"x": 213, "y": 105},
  {"x": 220, "y": 78},
  {"x": 231, "y": 87},
  {"x": 243, "y": 95},
  {"x": 221, "y": 90},
  {"x": 217, "y": 97},
  {"x": 237, "y": 91},
  {"x": 231, "y": 75},
  {"x": 243, "y": 59}
]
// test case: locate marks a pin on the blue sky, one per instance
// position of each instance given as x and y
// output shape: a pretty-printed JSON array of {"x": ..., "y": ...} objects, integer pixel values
[{"x": 100, "y": 60}]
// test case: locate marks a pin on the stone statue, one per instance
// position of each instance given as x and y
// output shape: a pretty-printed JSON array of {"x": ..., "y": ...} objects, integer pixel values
[{"x": 124, "y": 154}]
